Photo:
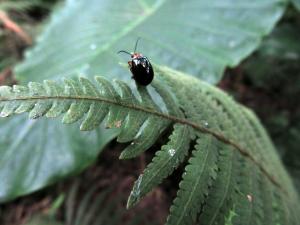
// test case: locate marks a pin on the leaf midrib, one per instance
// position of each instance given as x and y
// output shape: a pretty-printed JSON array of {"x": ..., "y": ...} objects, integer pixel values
[
  {"x": 131, "y": 26},
  {"x": 194, "y": 188},
  {"x": 225, "y": 193},
  {"x": 162, "y": 165},
  {"x": 176, "y": 119}
]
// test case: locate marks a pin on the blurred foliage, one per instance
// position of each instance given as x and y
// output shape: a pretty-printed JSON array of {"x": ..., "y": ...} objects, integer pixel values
[
  {"x": 28, "y": 16},
  {"x": 274, "y": 71},
  {"x": 202, "y": 44},
  {"x": 273, "y": 74},
  {"x": 90, "y": 207},
  {"x": 84, "y": 38},
  {"x": 23, "y": 5},
  {"x": 296, "y": 3}
]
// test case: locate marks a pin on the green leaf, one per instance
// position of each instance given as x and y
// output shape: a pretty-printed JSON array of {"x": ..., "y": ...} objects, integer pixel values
[
  {"x": 228, "y": 220},
  {"x": 220, "y": 200},
  {"x": 200, "y": 37},
  {"x": 164, "y": 163},
  {"x": 28, "y": 163},
  {"x": 195, "y": 184},
  {"x": 281, "y": 50},
  {"x": 283, "y": 43},
  {"x": 296, "y": 3}
]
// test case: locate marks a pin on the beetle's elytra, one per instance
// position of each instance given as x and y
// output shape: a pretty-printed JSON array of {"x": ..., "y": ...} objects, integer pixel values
[{"x": 140, "y": 67}]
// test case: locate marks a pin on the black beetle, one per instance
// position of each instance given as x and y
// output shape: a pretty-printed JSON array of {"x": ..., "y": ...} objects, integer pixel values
[{"x": 140, "y": 67}]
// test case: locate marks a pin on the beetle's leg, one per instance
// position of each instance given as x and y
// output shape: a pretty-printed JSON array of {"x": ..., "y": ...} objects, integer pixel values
[{"x": 130, "y": 66}]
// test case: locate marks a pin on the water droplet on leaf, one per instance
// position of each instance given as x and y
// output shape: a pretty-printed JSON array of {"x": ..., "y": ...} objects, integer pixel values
[
  {"x": 249, "y": 197},
  {"x": 3, "y": 114},
  {"x": 93, "y": 46},
  {"x": 172, "y": 152},
  {"x": 232, "y": 44}
]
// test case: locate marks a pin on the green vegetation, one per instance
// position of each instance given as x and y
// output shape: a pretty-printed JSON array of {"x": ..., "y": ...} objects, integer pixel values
[{"x": 190, "y": 136}]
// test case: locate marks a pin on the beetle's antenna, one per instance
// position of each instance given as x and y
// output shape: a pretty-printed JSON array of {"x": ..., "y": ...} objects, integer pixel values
[
  {"x": 124, "y": 52},
  {"x": 136, "y": 44}
]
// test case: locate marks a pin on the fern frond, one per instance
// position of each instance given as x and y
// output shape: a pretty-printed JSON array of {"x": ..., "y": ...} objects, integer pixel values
[
  {"x": 164, "y": 163},
  {"x": 222, "y": 190},
  {"x": 78, "y": 99},
  {"x": 244, "y": 207},
  {"x": 198, "y": 176},
  {"x": 255, "y": 198},
  {"x": 232, "y": 165},
  {"x": 267, "y": 199}
]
